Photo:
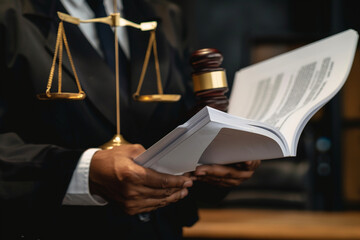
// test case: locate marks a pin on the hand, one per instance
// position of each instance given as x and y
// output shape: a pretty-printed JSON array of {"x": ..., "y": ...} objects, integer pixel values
[
  {"x": 226, "y": 175},
  {"x": 115, "y": 176}
]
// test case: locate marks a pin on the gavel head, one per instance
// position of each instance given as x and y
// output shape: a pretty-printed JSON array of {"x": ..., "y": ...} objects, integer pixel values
[
  {"x": 206, "y": 60},
  {"x": 209, "y": 79},
  {"x": 208, "y": 73}
]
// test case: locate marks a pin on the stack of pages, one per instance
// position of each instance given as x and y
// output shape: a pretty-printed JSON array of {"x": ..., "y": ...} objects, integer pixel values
[{"x": 270, "y": 104}]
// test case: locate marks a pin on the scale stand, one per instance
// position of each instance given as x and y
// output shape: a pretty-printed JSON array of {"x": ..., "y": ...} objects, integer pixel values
[{"x": 114, "y": 20}]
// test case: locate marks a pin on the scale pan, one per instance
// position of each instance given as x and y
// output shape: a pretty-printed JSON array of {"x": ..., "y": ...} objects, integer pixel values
[
  {"x": 158, "y": 98},
  {"x": 61, "y": 96}
]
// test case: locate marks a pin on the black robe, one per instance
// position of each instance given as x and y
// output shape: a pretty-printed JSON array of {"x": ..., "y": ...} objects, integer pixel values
[{"x": 42, "y": 141}]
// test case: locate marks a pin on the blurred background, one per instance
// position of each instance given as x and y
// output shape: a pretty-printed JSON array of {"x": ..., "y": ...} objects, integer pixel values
[{"x": 325, "y": 174}]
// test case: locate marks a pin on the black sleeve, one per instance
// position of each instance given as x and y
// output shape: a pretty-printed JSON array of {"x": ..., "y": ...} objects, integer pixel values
[
  {"x": 34, "y": 173},
  {"x": 33, "y": 182},
  {"x": 33, "y": 177},
  {"x": 38, "y": 174}
]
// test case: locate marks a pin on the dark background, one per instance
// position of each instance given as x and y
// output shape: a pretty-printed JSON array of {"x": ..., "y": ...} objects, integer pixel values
[{"x": 324, "y": 175}]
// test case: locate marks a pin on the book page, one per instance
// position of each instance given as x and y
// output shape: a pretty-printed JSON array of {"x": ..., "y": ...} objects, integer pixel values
[
  {"x": 232, "y": 146},
  {"x": 173, "y": 138},
  {"x": 285, "y": 91},
  {"x": 180, "y": 151}
]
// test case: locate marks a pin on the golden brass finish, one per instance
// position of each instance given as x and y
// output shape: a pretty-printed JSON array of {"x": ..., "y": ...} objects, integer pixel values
[
  {"x": 60, "y": 41},
  {"x": 114, "y": 20},
  {"x": 116, "y": 141},
  {"x": 209, "y": 80},
  {"x": 116, "y": 45},
  {"x": 160, "y": 97},
  {"x": 62, "y": 96},
  {"x": 67, "y": 18}
]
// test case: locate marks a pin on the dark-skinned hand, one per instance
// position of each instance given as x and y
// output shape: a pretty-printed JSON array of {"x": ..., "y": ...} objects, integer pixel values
[
  {"x": 226, "y": 175},
  {"x": 115, "y": 176}
]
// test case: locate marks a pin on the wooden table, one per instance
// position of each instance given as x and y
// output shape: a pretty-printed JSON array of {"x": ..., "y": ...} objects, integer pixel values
[{"x": 274, "y": 224}]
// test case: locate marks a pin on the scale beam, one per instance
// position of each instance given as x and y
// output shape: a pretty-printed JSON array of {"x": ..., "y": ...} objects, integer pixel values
[{"x": 114, "y": 20}]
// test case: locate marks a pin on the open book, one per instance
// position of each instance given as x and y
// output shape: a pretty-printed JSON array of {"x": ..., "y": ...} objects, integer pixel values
[{"x": 270, "y": 104}]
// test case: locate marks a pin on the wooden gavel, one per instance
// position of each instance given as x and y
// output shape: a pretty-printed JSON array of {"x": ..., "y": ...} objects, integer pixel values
[{"x": 209, "y": 79}]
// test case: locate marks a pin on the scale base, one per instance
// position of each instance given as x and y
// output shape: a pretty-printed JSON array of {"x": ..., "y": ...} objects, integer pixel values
[{"x": 116, "y": 141}]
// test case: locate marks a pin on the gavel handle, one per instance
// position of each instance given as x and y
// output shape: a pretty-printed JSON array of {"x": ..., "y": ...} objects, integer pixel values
[{"x": 209, "y": 80}]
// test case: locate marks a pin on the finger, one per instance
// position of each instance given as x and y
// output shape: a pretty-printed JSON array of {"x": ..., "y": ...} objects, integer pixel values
[
  {"x": 225, "y": 182},
  {"x": 143, "y": 192},
  {"x": 252, "y": 165},
  {"x": 256, "y": 164},
  {"x": 149, "y": 204},
  {"x": 222, "y": 171},
  {"x": 158, "y": 180},
  {"x": 129, "y": 150},
  {"x": 248, "y": 165},
  {"x": 190, "y": 175},
  {"x": 157, "y": 203}
]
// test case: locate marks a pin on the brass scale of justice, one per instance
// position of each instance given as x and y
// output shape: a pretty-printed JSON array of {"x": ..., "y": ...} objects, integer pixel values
[{"x": 115, "y": 20}]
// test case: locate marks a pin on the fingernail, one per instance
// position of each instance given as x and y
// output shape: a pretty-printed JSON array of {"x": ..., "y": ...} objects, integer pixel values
[
  {"x": 201, "y": 173},
  {"x": 184, "y": 193},
  {"x": 187, "y": 184}
]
